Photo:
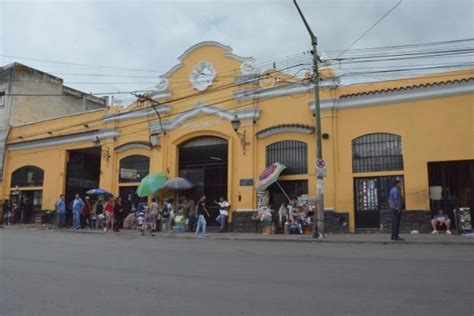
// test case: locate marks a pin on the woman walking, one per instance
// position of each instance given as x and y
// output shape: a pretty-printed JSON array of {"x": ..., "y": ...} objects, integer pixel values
[
  {"x": 7, "y": 209},
  {"x": 109, "y": 215},
  {"x": 118, "y": 211},
  {"x": 153, "y": 213}
]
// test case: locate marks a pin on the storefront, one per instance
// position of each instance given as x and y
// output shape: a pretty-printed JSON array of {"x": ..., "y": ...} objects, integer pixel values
[{"x": 227, "y": 120}]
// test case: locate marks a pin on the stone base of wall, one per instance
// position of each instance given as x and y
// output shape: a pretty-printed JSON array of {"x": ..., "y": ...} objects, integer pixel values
[
  {"x": 419, "y": 220},
  {"x": 334, "y": 222},
  {"x": 242, "y": 222}
]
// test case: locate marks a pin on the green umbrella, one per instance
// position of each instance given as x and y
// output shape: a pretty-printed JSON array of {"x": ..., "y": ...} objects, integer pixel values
[{"x": 151, "y": 184}]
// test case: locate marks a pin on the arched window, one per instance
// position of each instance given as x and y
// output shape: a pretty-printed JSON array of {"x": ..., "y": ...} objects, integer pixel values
[
  {"x": 27, "y": 176},
  {"x": 377, "y": 152},
  {"x": 134, "y": 168},
  {"x": 292, "y": 153}
]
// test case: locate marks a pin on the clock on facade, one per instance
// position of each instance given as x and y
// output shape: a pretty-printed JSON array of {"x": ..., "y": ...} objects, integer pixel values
[{"x": 202, "y": 76}]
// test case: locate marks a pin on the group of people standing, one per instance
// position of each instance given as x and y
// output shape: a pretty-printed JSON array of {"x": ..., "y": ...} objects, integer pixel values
[
  {"x": 104, "y": 213},
  {"x": 109, "y": 214}
]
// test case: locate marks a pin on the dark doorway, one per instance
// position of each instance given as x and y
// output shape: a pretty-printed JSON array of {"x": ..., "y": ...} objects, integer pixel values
[
  {"x": 82, "y": 174},
  {"x": 204, "y": 161},
  {"x": 370, "y": 197},
  {"x": 130, "y": 199},
  {"x": 292, "y": 188},
  {"x": 456, "y": 178}
]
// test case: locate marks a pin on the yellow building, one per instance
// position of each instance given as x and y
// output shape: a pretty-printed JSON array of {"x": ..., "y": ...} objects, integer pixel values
[{"x": 418, "y": 130}]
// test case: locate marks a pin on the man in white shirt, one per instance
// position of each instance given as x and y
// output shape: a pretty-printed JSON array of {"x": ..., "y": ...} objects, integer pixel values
[{"x": 223, "y": 212}]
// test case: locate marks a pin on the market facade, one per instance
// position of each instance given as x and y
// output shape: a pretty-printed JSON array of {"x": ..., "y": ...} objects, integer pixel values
[{"x": 416, "y": 130}]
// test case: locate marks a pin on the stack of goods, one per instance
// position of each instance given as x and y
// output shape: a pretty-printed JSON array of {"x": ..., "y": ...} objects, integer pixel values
[{"x": 263, "y": 199}]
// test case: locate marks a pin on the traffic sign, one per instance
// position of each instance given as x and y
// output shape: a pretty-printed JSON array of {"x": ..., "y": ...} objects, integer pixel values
[
  {"x": 320, "y": 163},
  {"x": 321, "y": 168}
]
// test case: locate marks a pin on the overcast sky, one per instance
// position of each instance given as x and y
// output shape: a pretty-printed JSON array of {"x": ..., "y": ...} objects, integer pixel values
[{"x": 151, "y": 34}]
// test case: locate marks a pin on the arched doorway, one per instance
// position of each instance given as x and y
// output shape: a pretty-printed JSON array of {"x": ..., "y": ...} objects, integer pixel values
[{"x": 204, "y": 160}]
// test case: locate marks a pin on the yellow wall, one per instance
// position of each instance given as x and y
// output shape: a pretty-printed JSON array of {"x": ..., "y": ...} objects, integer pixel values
[{"x": 438, "y": 129}]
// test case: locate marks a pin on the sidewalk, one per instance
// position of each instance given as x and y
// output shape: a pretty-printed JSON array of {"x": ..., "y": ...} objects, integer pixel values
[{"x": 440, "y": 239}]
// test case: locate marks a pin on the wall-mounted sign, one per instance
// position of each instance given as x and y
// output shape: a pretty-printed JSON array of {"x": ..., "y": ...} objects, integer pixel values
[
  {"x": 128, "y": 174},
  {"x": 246, "y": 182}
]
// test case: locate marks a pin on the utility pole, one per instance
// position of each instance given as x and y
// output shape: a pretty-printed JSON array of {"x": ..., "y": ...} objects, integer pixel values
[{"x": 319, "y": 221}]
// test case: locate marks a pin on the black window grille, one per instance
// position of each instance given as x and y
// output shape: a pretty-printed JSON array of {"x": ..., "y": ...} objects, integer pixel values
[
  {"x": 377, "y": 152},
  {"x": 138, "y": 163},
  {"x": 28, "y": 176},
  {"x": 292, "y": 153}
]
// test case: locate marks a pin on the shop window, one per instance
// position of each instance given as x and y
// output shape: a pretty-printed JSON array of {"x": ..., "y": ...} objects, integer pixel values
[
  {"x": 134, "y": 168},
  {"x": 28, "y": 176},
  {"x": 377, "y": 152},
  {"x": 292, "y": 153}
]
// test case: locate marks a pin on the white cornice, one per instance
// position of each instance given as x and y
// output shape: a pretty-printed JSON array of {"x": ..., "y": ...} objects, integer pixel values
[
  {"x": 65, "y": 140},
  {"x": 135, "y": 114},
  {"x": 408, "y": 95},
  {"x": 228, "y": 53},
  {"x": 283, "y": 130},
  {"x": 201, "y": 107},
  {"x": 228, "y": 49},
  {"x": 284, "y": 90},
  {"x": 132, "y": 145}
]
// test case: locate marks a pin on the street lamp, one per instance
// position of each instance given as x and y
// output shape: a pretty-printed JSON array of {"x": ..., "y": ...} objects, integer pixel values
[
  {"x": 105, "y": 152},
  {"x": 242, "y": 136},
  {"x": 319, "y": 223}
]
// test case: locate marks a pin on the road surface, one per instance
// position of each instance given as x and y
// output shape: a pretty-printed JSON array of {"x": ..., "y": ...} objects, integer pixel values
[{"x": 65, "y": 273}]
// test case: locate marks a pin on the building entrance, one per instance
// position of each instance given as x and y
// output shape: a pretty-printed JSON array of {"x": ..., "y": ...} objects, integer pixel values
[
  {"x": 456, "y": 179},
  {"x": 82, "y": 173},
  {"x": 370, "y": 197},
  {"x": 204, "y": 160}
]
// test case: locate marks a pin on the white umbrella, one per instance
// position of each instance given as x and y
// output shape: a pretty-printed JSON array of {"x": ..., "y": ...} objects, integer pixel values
[{"x": 179, "y": 184}]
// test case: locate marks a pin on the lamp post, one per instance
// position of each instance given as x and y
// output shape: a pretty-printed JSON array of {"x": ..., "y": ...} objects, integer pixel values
[
  {"x": 242, "y": 136},
  {"x": 104, "y": 152},
  {"x": 319, "y": 223}
]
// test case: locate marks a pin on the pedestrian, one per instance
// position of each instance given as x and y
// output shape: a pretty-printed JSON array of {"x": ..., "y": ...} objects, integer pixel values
[
  {"x": 168, "y": 213},
  {"x": 395, "y": 203},
  {"x": 118, "y": 210},
  {"x": 191, "y": 215},
  {"x": 201, "y": 211},
  {"x": 109, "y": 215},
  {"x": 153, "y": 213},
  {"x": 86, "y": 213},
  {"x": 223, "y": 212},
  {"x": 61, "y": 212},
  {"x": 93, "y": 216},
  {"x": 99, "y": 213},
  {"x": 77, "y": 206},
  {"x": 7, "y": 211}
]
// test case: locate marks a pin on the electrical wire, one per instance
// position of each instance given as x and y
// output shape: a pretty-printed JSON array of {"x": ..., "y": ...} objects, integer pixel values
[{"x": 173, "y": 101}]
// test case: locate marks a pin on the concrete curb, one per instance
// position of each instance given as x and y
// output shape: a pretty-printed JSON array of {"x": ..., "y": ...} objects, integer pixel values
[{"x": 223, "y": 236}]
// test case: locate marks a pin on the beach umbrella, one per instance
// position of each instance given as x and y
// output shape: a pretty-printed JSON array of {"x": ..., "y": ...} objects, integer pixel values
[
  {"x": 99, "y": 193},
  {"x": 179, "y": 184},
  {"x": 151, "y": 184},
  {"x": 269, "y": 176}
]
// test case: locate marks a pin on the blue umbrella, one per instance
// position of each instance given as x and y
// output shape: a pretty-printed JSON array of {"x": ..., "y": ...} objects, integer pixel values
[{"x": 97, "y": 193}]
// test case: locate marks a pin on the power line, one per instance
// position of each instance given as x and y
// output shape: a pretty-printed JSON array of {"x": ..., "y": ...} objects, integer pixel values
[
  {"x": 173, "y": 101},
  {"x": 371, "y": 27}
]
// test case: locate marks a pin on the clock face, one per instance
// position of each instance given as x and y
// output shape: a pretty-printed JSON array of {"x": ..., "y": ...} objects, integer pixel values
[{"x": 202, "y": 76}]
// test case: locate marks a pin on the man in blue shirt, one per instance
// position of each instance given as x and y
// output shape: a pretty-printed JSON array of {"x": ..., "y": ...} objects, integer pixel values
[
  {"x": 395, "y": 203},
  {"x": 77, "y": 206},
  {"x": 61, "y": 211}
]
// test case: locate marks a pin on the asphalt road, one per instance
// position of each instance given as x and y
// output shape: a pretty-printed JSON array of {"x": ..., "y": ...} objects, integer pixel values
[{"x": 64, "y": 273}]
